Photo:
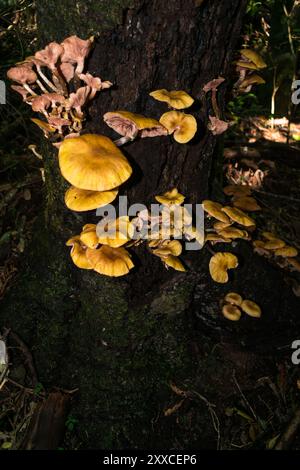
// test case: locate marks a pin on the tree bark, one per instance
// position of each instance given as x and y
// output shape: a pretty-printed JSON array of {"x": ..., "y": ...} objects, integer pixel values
[{"x": 121, "y": 341}]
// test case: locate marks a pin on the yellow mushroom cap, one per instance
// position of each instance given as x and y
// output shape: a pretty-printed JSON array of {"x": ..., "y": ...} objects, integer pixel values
[
  {"x": 183, "y": 125},
  {"x": 251, "y": 308},
  {"x": 254, "y": 57},
  {"x": 174, "y": 262},
  {"x": 269, "y": 236},
  {"x": 175, "y": 99},
  {"x": 274, "y": 244},
  {"x": 219, "y": 264},
  {"x": 129, "y": 124},
  {"x": 246, "y": 203},
  {"x": 93, "y": 162},
  {"x": 110, "y": 261},
  {"x": 171, "y": 197},
  {"x": 43, "y": 125},
  {"x": 167, "y": 248},
  {"x": 84, "y": 200},
  {"x": 237, "y": 190},
  {"x": 238, "y": 216},
  {"x": 286, "y": 252},
  {"x": 78, "y": 253},
  {"x": 218, "y": 226},
  {"x": 215, "y": 237},
  {"x": 115, "y": 232},
  {"x": 231, "y": 312},
  {"x": 89, "y": 237},
  {"x": 214, "y": 209},
  {"x": 252, "y": 80},
  {"x": 233, "y": 232},
  {"x": 233, "y": 298}
]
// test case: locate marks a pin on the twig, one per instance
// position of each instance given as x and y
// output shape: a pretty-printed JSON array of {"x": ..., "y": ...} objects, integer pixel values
[{"x": 286, "y": 439}]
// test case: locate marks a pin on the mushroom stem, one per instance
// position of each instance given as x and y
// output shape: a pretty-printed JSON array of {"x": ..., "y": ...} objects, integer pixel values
[
  {"x": 39, "y": 83},
  {"x": 214, "y": 103},
  {"x": 46, "y": 80},
  {"x": 27, "y": 88},
  {"x": 122, "y": 141},
  {"x": 209, "y": 248},
  {"x": 240, "y": 80},
  {"x": 61, "y": 82}
]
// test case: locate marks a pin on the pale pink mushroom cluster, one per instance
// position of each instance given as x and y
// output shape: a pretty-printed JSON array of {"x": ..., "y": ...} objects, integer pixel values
[{"x": 54, "y": 84}]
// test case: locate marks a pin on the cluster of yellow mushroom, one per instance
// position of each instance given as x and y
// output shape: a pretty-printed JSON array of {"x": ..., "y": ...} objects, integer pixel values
[
  {"x": 272, "y": 246},
  {"x": 241, "y": 197},
  {"x": 223, "y": 230},
  {"x": 233, "y": 305},
  {"x": 183, "y": 126},
  {"x": 247, "y": 65},
  {"x": 104, "y": 254},
  {"x": 95, "y": 167},
  {"x": 174, "y": 222}
]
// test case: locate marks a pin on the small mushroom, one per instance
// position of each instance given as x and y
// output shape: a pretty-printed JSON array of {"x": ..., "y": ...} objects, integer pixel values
[
  {"x": 75, "y": 51},
  {"x": 174, "y": 262},
  {"x": 183, "y": 126},
  {"x": 274, "y": 244},
  {"x": 78, "y": 253},
  {"x": 81, "y": 200},
  {"x": 78, "y": 100},
  {"x": 269, "y": 235},
  {"x": 251, "y": 308},
  {"x": 175, "y": 99},
  {"x": 113, "y": 262},
  {"x": 217, "y": 126},
  {"x": 93, "y": 162},
  {"x": 218, "y": 226},
  {"x": 116, "y": 232},
  {"x": 233, "y": 233},
  {"x": 95, "y": 83},
  {"x": 88, "y": 236},
  {"x": 231, "y": 312},
  {"x": 238, "y": 216},
  {"x": 219, "y": 264},
  {"x": 167, "y": 248},
  {"x": 251, "y": 60},
  {"x": 23, "y": 75},
  {"x": 237, "y": 190},
  {"x": 253, "y": 79},
  {"x": 214, "y": 209},
  {"x": 40, "y": 104},
  {"x": 246, "y": 203},
  {"x": 131, "y": 125},
  {"x": 286, "y": 252},
  {"x": 171, "y": 197},
  {"x": 46, "y": 128},
  {"x": 233, "y": 298},
  {"x": 216, "y": 238},
  {"x": 213, "y": 87},
  {"x": 50, "y": 55}
]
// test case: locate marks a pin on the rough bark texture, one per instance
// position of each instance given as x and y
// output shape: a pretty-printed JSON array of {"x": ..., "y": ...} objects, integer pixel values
[{"x": 122, "y": 341}]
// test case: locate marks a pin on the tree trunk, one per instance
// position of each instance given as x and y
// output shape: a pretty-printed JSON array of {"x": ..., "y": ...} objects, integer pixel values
[{"x": 122, "y": 341}]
